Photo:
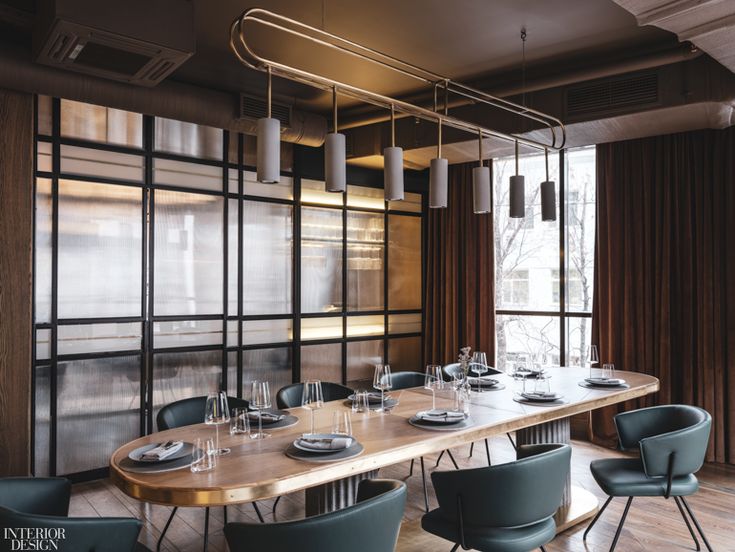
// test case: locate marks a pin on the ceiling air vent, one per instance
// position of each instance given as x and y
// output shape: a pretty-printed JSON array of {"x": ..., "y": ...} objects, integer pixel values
[
  {"x": 252, "y": 107},
  {"x": 611, "y": 95}
]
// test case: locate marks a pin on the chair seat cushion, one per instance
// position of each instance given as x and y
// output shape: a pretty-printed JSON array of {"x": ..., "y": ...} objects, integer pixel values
[
  {"x": 626, "y": 477},
  {"x": 491, "y": 539}
]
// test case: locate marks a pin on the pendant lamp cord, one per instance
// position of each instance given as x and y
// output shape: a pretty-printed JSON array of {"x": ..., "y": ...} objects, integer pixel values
[
  {"x": 269, "y": 91},
  {"x": 334, "y": 107},
  {"x": 392, "y": 126}
]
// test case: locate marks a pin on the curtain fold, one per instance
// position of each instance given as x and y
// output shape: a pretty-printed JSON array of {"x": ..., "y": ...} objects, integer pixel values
[
  {"x": 460, "y": 279},
  {"x": 664, "y": 300}
]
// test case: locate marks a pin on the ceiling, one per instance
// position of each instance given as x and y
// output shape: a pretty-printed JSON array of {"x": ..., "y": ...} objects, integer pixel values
[{"x": 462, "y": 39}]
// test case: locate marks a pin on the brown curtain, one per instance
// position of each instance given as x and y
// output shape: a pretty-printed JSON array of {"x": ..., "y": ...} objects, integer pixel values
[
  {"x": 664, "y": 299},
  {"x": 460, "y": 279}
]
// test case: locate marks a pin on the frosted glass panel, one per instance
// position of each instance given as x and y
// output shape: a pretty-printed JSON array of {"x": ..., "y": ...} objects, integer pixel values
[
  {"x": 233, "y": 240},
  {"x": 321, "y": 328},
  {"x": 232, "y": 374},
  {"x": 271, "y": 365},
  {"x": 404, "y": 262},
  {"x": 44, "y": 208},
  {"x": 179, "y": 376},
  {"x": 91, "y": 338},
  {"x": 404, "y": 354},
  {"x": 188, "y": 139},
  {"x": 404, "y": 323},
  {"x": 411, "y": 203},
  {"x": 101, "y": 124},
  {"x": 43, "y": 344},
  {"x": 282, "y": 189},
  {"x": 322, "y": 362},
  {"x": 187, "y": 175},
  {"x": 188, "y": 253},
  {"x": 313, "y": 191},
  {"x": 362, "y": 356},
  {"x": 365, "y": 249},
  {"x": 43, "y": 156},
  {"x": 321, "y": 260},
  {"x": 233, "y": 186},
  {"x": 187, "y": 333},
  {"x": 365, "y": 325},
  {"x": 232, "y": 337},
  {"x": 366, "y": 198},
  {"x": 100, "y": 249},
  {"x": 98, "y": 410},
  {"x": 108, "y": 164},
  {"x": 255, "y": 332},
  {"x": 42, "y": 422},
  {"x": 267, "y": 238}
]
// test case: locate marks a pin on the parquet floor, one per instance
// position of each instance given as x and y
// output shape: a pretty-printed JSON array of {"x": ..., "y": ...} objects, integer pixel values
[{"x": 653, "y": 524}]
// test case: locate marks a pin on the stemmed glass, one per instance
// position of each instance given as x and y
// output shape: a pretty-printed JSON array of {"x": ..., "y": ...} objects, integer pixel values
[
  {"x": 217, "y": 412},
  {"x": 382, "y": 381},
  {"x": 433, "y": 381},
  {"x": 594, "y": 358},
  {"x": 479, "y": 366},
  {"x": 312, "y": 398},
  {"x": 260, "y": 399}
]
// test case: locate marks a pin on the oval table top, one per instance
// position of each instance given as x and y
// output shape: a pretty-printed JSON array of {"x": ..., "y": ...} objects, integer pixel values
[{"x": 258, "y": 469}]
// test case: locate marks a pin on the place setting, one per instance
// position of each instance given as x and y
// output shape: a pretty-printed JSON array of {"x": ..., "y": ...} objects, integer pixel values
[
  {"x": 327, "y": 447},
  {"x": 539, "y": 393},
  {"x": 479, "y": 382},
  {"x": 159, "y": 457},
  {"x": 602, "y": 378},
  {"x": 444, "y": 419}
]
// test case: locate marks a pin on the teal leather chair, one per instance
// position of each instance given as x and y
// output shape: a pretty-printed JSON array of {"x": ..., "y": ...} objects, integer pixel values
[
  {"x": 290, "y": 395},
  {"x": 370, "y": 525},
  {"x": 190, "y": 412},
  {"x": 43, "y": 503},
  {"x": 672, "y": 442},
  {"x": 503, "y": 508}
]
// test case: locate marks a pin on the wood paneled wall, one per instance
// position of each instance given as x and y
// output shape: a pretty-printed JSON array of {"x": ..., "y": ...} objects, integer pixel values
[{"x": 16, "y": 264}]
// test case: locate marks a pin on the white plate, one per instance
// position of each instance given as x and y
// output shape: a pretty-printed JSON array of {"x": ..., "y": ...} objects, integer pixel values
[
  {"x": 542, "y": 398},
  {"x": 426, "y": 416},
  {"x": 306, "y": 448},
  {"x": 607, "y": 382}
]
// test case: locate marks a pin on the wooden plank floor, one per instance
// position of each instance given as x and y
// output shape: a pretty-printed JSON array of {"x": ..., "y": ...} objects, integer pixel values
[{"x": 653, "y": 524}]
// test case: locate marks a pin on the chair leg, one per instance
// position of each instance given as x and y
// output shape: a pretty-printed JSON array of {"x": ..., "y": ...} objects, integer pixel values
[
  {"x": 487, "y": 451},
  {"x": 206, "y": 527},
  {"x": 278, "y": 498},
  {"x": 257, "y": 511},
  {"x": 423, "y": 480},
  {"x": 449, "y": 453},
  {"x": 454, "y": 548},
  {"x": 696, "y": 523},
  {"x": 165, "y": 528},
  {"x": 439, "y": 459},
  {"x": 225, "y": 514},
  {"x": 686, "y": 520},
  {"x": 594, "y": 520},
  {"x": 542, "y": 549},
  {"x": 472, "y": 448},
  {"x": 410, "y": 470},
  {"x": 622, "y": 522},
  {"x": 512, "y": 442}
]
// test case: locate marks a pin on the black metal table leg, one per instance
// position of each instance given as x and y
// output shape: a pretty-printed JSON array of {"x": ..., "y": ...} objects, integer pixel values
[
  {"x": 206, "y": 528},
  {"x": 449, "y": 453},
  {"x": 487, "y": 451}
]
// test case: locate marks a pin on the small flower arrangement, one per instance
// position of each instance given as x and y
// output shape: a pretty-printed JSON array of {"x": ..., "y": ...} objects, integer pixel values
[{"x": 465, "y": 356}]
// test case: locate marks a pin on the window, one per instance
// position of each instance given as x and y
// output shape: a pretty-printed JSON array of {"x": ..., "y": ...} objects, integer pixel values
[{"x": 544, "y": 270}]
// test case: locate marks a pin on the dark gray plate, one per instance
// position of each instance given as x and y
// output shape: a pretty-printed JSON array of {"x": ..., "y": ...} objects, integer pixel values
[
  {"x": 372, "y": 397},
  {"x": 323, "y": 457},
  {"x": 557, "y": 402},
  {"x": 146, "y": 467},
  {"x": 417, "y": 422},
  {"x": 288, "y": 421},
  {"x": 267, "y": 422},
  {"x": 603, "y": 387},
  {"x": 389, "y": 403},
  {"x": 136, "y": 455}
]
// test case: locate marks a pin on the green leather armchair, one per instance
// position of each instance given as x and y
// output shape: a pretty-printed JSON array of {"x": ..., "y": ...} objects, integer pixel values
[
  {"x": 503, "y": 508},
  {"x": 672, "y": 442},
  {"x": 370, "y": 525},
  {"x": 43, "y": 503}
]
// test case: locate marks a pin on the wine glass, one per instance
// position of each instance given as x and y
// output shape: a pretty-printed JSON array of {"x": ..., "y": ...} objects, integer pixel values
[
  {"x": 433, "y": 381},
  {"x": 260, "y": 399},
  {"x": 217, "y": 412},
  {"x": 382, "y": 381},
  {"x": 479, "y": 367},
  {"x": 312, "y": 398},
  {"x": 594, "y": 358}
]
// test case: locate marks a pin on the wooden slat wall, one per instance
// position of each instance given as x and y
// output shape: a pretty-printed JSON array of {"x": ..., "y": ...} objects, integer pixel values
[{"x": 16, "y": 239}]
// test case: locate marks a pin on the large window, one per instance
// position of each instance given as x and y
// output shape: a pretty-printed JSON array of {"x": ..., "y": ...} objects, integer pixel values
[
  {"x": 544, "y": 270},
  {"x": 164, "y": 270}
]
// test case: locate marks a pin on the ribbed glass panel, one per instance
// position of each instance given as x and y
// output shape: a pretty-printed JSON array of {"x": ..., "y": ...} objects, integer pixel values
[
  {"x": 187, "y": 175},
  {"x": 256, "y": 332},
  {"x": 321, "y": 260},
  {"x": 322, "y": 362},
  {"x": 106, "y": 164},
  {"x": 233, "y": 241},
  {"x": 42, "y": 421},
  {"x": 404, "y": 262},
  {"x": 99, "y": 338},
  {"x": 313, "y": 191},
  {"x": 280, "y": 190},
  {"x": 365, "y": 252},
  {"x": 187, "y": 139},
  {"x": 362, "y": 356},
  {"x": 43, "y": 344},
  {"x": 101, "y": 124},
  {"x": 373, "y": 324},
  {"x": 187, "y": 333},
  {"x": 404, "y": 323},
  {"x": 44, "y": 208},
  {"x": 321, "y": 328},
  {"x": 366, "y": 198},
  {"x": 271, "y": 365}
]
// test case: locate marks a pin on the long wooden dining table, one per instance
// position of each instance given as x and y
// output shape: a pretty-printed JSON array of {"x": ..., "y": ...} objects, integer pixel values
[{"x": 259, "y": 469}]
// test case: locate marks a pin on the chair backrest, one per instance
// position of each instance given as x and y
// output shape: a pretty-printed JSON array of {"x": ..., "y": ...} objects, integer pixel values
[
  {"x": 47, "y": 496},
  {"x": 456, "y": 368},
  {"x": 515, "y": 494},
  {"x": 290, "y": 396},
  {"x": 371, "y": 525},
  {"x": 673, "y": 435},
  {"x": 97, "y": 534},
  {"x": 406, "y": 380},
  {"x": 189, "y": 412}
]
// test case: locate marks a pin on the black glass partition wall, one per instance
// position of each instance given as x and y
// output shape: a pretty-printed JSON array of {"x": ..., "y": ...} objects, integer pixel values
[{"x": 163, "y": 270}]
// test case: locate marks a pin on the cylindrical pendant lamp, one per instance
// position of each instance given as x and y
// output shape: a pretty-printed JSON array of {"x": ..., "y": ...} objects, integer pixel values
[
  {"x": 438, "y": 177},
  {"x": 335, "y": 156},
  {"x": 481, "y": 200},
  {"x": 269, "y": 145},
  {"x": 548, "y": 195},
  {"x": 517, "y": 193},
  {"x": 393, "y": 165}
]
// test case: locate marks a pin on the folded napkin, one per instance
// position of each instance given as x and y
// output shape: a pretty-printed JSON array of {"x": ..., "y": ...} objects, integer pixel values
[
  {"x": 532, "y": 396},
  {"x": 265, "y": 416},
  {"x": 327, "y": 443},
  {"x": 162, "y": 451},
  {"x": 484, "y": 380},
  {"x": 439, "y": 415}
]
